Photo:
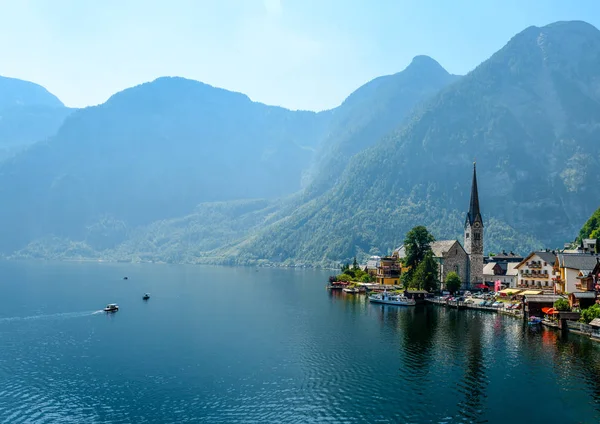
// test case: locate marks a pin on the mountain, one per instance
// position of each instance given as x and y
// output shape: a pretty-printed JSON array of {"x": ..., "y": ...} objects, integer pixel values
[
  {"x": 16, "y": 92},
  {"x": 369, "y": 113},
  {"x": 178, "y": 171},
  {"x": 28, "y": 113},
  {"x": 149, "y": 153},
  {"x": 530, "y": 115}
]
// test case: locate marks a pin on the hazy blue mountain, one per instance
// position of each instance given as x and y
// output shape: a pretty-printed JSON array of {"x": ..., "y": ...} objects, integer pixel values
[
  {"x": 530, "y": 115},
  {"x": 157, "y": 172},
  {"x": 28, "y": 113},
  {"x": 152, "y": 152},
  {"x": 16, "y": 92}
]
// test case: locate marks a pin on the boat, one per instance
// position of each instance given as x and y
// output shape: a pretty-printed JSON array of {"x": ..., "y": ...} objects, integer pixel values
[
  {"x": 534, "y": 321},
  {"x": 111, "y": 307},
  {"x": 338, "y": 285},
  {"x": 125, "y": 278},
  {"x": 391, "y": 299},
  {"x": 351, "y": 290},
  {"x": 146, "y": 296}
]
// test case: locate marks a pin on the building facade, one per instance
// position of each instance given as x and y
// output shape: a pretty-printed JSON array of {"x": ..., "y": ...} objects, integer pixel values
[
  {"x": 567, "y": 269},
  {"x": 536, "y": 271}
]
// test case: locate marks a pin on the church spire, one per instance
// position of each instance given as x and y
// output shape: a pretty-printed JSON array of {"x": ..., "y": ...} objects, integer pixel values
[{"x": 474, "y": 213}]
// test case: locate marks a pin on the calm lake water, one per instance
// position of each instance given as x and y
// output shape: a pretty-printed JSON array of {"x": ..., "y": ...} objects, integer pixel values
[{"x": 237, "y": 345}]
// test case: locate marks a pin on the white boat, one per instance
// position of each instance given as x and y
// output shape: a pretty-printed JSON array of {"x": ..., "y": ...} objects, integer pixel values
[
  {"x": 146, "y": 296},
  {"x": 391, "y": 299},
  {"x": 350, "y": 289},
  {"x": 111, "y": 307}
]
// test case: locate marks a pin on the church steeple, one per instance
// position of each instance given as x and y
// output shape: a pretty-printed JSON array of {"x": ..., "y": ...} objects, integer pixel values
[{"x": 474, "y": 215}]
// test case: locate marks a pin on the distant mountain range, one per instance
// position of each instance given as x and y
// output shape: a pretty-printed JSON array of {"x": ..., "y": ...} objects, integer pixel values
[
  {"x": 178, "y": 171},
  {"x": 28, "y": 113}
]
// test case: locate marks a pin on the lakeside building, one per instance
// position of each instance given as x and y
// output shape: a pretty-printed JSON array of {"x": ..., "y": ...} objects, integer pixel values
[
  {"x": 568, "y": 267},
  {"x": 388, "y": 271},
  {"x": 505, "y": 272},
  {"x": 536, "y": 270}
]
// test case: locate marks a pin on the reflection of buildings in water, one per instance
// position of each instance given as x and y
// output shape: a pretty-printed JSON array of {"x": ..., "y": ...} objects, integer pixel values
[{"x": 549, "y": 337}]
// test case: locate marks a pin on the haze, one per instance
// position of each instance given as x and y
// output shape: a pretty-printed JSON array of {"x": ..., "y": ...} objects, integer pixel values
[{"x": 295, "y": 53}]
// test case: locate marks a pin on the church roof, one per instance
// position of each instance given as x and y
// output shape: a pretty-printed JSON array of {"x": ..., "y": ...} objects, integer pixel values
[
  {"x": 439, "y": 247},
  {"x": 474, "y": 213}
]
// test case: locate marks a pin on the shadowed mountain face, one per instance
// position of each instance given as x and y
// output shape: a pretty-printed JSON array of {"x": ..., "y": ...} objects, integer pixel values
[{"x": 118, "y": 178}]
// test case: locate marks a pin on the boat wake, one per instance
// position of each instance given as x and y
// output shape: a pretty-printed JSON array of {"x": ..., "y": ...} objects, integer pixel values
[{"x": 60, "y": 315}]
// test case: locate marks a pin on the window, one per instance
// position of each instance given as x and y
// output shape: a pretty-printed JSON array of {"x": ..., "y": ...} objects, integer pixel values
[
  {"x": 477, "y": 236},
  {"x": 467, "y": 235}
]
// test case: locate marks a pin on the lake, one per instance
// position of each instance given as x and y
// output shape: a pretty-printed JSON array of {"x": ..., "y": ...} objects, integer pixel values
[{"x": 247, "y": 345}]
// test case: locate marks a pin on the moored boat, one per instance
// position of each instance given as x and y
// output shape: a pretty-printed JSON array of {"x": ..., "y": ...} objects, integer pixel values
[
  {"x": 146, "y": 296},
  {"x": 338, "y": 285},
  {"x": 111, "y": 307},
  {"x": 391, "y": 299},
  {"x": 352, "y": 290}
]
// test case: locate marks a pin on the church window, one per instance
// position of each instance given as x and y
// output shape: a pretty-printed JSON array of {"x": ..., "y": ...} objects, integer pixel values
[
  {"x": 467, "y": 235},
  {"x": 476, "y": 236}
]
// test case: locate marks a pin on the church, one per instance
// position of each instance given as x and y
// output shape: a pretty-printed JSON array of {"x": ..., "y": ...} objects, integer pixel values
[{"x": 466, "y": 259}]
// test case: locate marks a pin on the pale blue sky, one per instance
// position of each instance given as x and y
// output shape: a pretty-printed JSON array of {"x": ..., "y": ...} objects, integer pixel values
[{"x": 301, "y": 54}]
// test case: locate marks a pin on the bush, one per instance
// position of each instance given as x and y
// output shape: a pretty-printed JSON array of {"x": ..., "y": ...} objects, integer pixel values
[
  {"x": 590, "y": 313},
  {"x": 561, "y": 305}
]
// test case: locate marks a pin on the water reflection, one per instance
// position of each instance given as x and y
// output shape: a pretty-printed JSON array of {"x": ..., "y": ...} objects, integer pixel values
[{"x": 474, "y": 382}]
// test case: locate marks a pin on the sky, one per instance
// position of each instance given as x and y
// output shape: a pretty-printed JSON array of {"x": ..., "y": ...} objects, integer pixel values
[{"x": 299, "y": 54}]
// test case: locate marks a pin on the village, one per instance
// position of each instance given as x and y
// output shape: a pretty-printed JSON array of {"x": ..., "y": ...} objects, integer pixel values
[{"x": 555, "y": 288}]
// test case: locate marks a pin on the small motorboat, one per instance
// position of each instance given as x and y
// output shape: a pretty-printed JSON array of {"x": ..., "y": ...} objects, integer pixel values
[
  {"x": 125, "y": 278},
  {"x": 351, "y": 290},
  {"x": 391, "y": 299},
  {"x": 146, "y": 296},
  {"x": 111, "y": 307},
  {"x": 534, "y": 321}
]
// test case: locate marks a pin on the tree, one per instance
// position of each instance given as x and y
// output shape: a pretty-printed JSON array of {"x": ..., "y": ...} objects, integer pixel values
[
  {"x": 562, "y": 305},
  {"x": 417, "y": 243},
  {"x": 355, "y": 264},
  {"x": 590, "y": 313},
  {"x": 425, "y": 276},
  {"x": 453, "y": 282}
]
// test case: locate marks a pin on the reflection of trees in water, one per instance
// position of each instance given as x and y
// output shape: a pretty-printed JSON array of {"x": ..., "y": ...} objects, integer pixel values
[
  {"x": 474, "y": 383},
  {"x": 419, "y": 328}
]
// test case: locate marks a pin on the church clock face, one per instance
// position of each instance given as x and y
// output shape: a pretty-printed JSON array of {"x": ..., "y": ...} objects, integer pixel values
[{"x": 476, "y": 225}]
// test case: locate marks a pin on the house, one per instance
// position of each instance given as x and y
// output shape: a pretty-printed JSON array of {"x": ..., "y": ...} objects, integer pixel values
[
  {"x": 589, "y": 279},
  {"x": 388, "y": 271},
  {"x": 568, "y": 267},
  {"x": 372, "y": 265},
  {"x": 536, "y": 270},
  {"x": 505, "y": 272},
  {"x": 582, "y": 300}
]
